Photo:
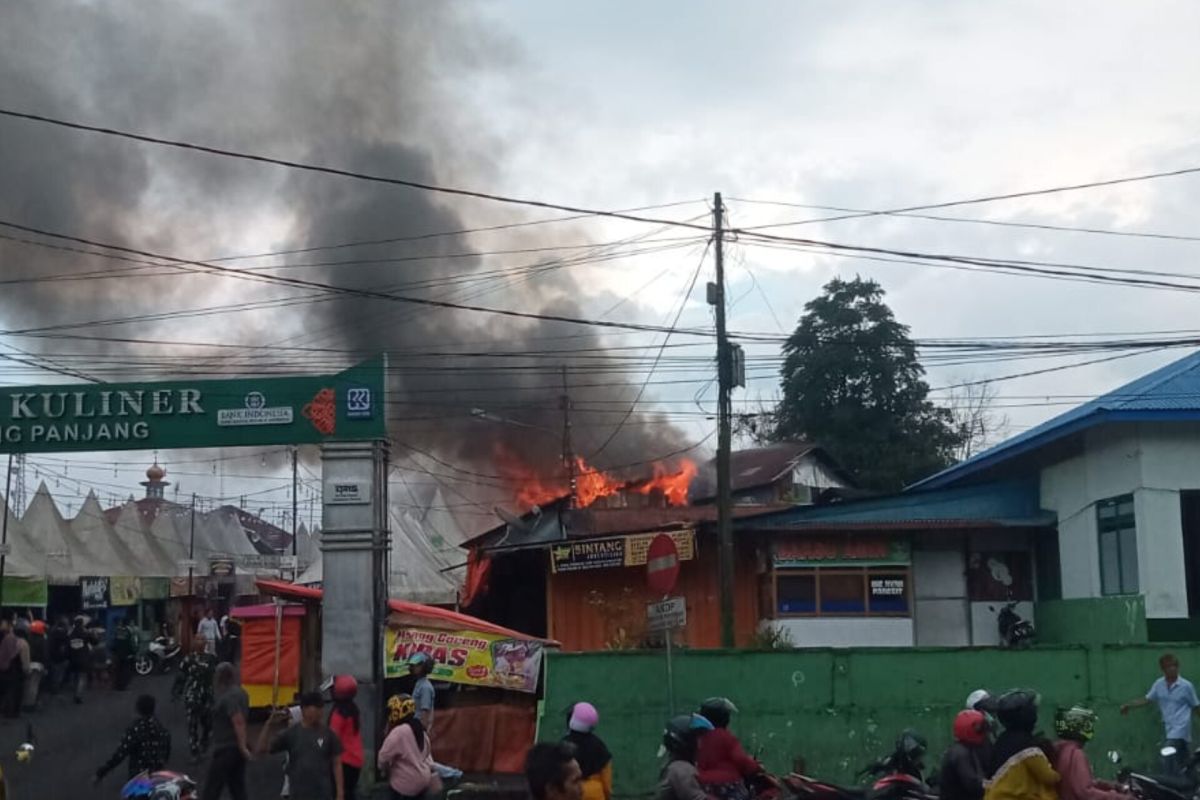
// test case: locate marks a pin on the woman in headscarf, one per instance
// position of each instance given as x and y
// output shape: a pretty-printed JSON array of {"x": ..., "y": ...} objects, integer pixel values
[
  {"x": 595, "y": 761},
  {"x": 406, "y": 756},
  {"x": 1020, "y": 767}
]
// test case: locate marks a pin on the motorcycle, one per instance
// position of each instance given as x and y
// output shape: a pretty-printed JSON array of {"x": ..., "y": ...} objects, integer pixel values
[
  {"x": 898, "y": 776},
  {"x": 161, "y": 785},
  {"x": 1146, "y": 786},
  {"x": 1015, "y": 631},
  {"x": 159, "y": 656}
]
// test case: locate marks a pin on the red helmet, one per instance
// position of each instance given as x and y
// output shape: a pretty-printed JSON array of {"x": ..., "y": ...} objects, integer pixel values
[
  {"x": 345, "y": 687},
  {"x": 971, "y": 727}
]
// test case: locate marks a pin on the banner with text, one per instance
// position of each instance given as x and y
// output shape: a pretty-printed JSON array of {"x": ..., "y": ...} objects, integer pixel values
[
  {"x": 621, "y": 551},
  {"x": 467, "y": 657},
  {"x": 307, "y": 409}
]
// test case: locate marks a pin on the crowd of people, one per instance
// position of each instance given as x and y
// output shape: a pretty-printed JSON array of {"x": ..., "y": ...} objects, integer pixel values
[{"x": 998, "y": 752}]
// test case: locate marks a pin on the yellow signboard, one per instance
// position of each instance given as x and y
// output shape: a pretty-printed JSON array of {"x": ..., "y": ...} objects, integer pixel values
[
  {"x": 467, "y": 657},
  {"x": 621, "y": 551}
]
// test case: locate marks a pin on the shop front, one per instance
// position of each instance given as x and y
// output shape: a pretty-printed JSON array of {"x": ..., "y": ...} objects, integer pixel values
[{"x": 840, "y": 590}]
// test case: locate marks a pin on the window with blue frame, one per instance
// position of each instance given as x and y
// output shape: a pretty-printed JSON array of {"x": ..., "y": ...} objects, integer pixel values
[{"x": 843, "y": 592}]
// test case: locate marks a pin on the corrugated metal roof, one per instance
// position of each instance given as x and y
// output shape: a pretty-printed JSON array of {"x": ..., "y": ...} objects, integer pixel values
[
  {"x": 999, "y": 504},
  {"x": 755, "y": 466},
  {"x": 1171, "y": 393}
]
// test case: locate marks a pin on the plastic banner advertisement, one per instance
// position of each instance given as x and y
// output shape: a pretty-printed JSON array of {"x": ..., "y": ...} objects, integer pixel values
[
  {"x": 619, "y": 551},
  {"x": 467, "y": 657}
]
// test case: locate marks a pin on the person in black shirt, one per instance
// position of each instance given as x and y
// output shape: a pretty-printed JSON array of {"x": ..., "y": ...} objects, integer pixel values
[
  {"x": 146, "y": 743},
  {"x": 79, "y": 647},
  {"x": 124, "y": 653},
  {"x": 60, "y": 654}
]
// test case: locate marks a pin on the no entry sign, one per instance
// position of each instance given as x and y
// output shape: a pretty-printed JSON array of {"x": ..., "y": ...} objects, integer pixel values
[{"x": 662, "y": 565}]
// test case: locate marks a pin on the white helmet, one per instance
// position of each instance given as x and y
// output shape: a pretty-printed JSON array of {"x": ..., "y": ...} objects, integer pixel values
[{"x": 976, "y": 697}]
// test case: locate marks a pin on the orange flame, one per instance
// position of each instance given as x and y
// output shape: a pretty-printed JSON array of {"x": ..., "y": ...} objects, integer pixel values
[{"x": 591, "y": 484}]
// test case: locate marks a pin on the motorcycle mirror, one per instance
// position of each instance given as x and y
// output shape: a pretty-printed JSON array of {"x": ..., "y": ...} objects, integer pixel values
[
  {"x": 1168, "y": 751},
  {"x": 1114, "y": 756}
]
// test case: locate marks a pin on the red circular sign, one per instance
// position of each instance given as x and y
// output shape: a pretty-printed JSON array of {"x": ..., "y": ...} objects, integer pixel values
[{"x": 662, "y": 564}]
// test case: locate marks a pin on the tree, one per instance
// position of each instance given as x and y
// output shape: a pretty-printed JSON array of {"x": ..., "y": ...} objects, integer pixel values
[
  {"x": 971, "y": 406},
  {"x": 852, "y": 383}
]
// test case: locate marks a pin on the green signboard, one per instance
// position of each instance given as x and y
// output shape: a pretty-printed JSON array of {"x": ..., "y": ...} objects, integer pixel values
[{"x": 308, "y": 409}]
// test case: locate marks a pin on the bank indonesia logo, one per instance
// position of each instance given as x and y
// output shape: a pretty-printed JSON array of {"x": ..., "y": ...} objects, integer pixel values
[
  {"x": 358, "y": 402},
  {"x": 256, "y": 400}
]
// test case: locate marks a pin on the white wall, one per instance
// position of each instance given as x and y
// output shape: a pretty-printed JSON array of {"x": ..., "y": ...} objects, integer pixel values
[
  {"x": 1151, "y": 461},
  {"x": 847, "y": 631}
]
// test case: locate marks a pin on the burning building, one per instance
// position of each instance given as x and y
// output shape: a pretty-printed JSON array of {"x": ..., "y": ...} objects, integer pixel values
[{"x": 572, "y": 565}]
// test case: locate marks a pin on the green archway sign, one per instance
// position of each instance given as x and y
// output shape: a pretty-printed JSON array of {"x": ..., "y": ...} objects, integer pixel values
[{"x": 306, "y": 409}]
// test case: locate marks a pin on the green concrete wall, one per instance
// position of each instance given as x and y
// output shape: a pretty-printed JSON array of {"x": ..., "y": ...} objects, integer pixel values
[
  {"x": 1118, "y": 620},
  {"x": 840, "y": 709}
]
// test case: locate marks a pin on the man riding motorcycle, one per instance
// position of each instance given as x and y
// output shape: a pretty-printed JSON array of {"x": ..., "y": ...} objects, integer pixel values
[{"x": 721, "y": 762}]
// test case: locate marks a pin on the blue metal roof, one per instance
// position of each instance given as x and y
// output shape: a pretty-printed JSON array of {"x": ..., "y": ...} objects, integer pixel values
[
  {"x": 1169, "y": 394},
  {"x": 1002, "y": 503}
]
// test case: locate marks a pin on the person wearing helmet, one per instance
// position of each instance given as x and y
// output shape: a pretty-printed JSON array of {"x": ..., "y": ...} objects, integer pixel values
[
  {"x": 981, "y": 700},
  {"x": 593, "y": 756},
  {"x": 1075, "y": 727},
  {"x": 420, "y": 664},
  {"x": 344, "y": 721},
  {"x": 962, "y": 764},
  {"x": 1020, "y": 767},
  {"x": 406, "y": 756},
  {"x": 722, "y": 763},
  {"x": 680, "y": 779}
]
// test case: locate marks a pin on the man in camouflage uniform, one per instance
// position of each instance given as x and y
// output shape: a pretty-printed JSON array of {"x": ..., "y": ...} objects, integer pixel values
[{"x": 195, "y": 683}]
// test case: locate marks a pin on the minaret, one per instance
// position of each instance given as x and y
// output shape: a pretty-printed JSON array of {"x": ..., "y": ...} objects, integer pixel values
[{"x": 154, "y": 482}]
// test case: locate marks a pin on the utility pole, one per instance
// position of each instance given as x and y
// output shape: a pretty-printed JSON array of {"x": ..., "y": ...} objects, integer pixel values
[
  {"x": 4, "y": 536},
  {"x": 192, "y": 550},
  {"x": 295, "y": 516},
  {"x": 568, "y": 451},
  {"x": 716, "y": 297}
]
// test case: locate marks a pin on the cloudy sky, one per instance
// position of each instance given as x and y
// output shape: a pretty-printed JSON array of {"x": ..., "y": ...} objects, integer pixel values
[{"x": 611, "y": 105}]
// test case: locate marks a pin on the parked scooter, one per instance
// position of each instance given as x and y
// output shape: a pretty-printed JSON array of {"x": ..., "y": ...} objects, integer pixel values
[
  {"x": 899, "y": 776},
  {"x": 1146, "y": 786},
  {"x": 162, "y": 785},
  {"x": 159, "y": 656},
  {"x": 1015, "y": 631}
]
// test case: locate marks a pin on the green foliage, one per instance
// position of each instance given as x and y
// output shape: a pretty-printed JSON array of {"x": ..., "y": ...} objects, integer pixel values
[{"x": 852, "y": 383}]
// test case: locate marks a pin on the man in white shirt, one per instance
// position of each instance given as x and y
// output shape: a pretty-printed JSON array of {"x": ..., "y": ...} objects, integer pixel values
[{"x": 210, "y": 630}]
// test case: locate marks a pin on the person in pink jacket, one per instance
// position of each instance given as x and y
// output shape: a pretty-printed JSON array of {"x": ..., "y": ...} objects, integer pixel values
[
  {"x": 1075, "y": 726},
  {"x": 406, "y": 756}
]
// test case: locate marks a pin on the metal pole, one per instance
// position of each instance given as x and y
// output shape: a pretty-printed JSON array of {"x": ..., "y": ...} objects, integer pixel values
[
  {"x": 278, "y": 648},
  {"x": 192, "y": 552},
  {"x": 568, "y": 450},
  {"x": 670, "y": 634},
  {"x": 295, "y": 513},
  {"x": 724, "y": 435},
  {"x": 4, "y": 536}
]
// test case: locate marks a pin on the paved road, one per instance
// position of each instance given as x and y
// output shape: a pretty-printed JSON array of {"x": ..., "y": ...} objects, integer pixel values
[{"x": 73, "y": 740}]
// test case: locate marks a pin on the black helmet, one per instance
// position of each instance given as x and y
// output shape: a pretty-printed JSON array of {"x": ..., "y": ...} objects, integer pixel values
[
  {"x": 1017, "y": 710},
  {"x": 718, "y": 710},
  {"x": 679, "y": 736}
]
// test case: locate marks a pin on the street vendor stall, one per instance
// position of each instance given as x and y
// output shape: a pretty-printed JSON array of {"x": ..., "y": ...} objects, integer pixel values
[
  {"x": 271, "y": 647},
  {"x": 487, "y": 721}
]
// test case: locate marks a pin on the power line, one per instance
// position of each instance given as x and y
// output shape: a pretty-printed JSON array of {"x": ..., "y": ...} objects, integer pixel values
[
  {"x": 989, "y": 198},
  {"x": 363, "y": 176},
  {"x": 366, "y": 293},
  {"x": 968, "y": 220}
]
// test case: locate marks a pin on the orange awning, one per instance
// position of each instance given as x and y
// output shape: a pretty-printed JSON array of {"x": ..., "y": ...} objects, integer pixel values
[{"x": 405, "y": 613}]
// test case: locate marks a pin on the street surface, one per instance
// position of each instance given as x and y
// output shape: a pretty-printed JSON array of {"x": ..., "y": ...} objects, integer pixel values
[{"x": 73, "y": 740}]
